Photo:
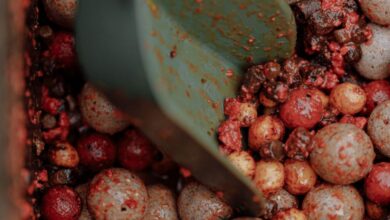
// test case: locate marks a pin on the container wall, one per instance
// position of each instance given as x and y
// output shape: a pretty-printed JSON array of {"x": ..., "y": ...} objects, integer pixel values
[{"x": 12, "y": 115}]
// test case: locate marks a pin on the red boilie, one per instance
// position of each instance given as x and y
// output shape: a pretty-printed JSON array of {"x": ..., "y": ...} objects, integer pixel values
[
  {"x": 377, "y": 184},
  {"x": 135, "y": 151},
  {"x": 61, "y": 203},
  {"x": 96, "y": 151},
  {"x": 377, "y": 92},
  {"x": 62, "y": 50},
  {"x": 303, "y": 108}
]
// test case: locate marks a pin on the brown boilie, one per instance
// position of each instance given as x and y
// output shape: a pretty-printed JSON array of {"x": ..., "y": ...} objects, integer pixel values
[
  {"x": 333, "y": 202},
  {"x": 116, "y": 193},
  {"x": 342, "y": 153}
]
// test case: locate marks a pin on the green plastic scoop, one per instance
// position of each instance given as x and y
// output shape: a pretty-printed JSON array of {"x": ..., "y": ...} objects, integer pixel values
[{"x": 170, "y": 64}]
